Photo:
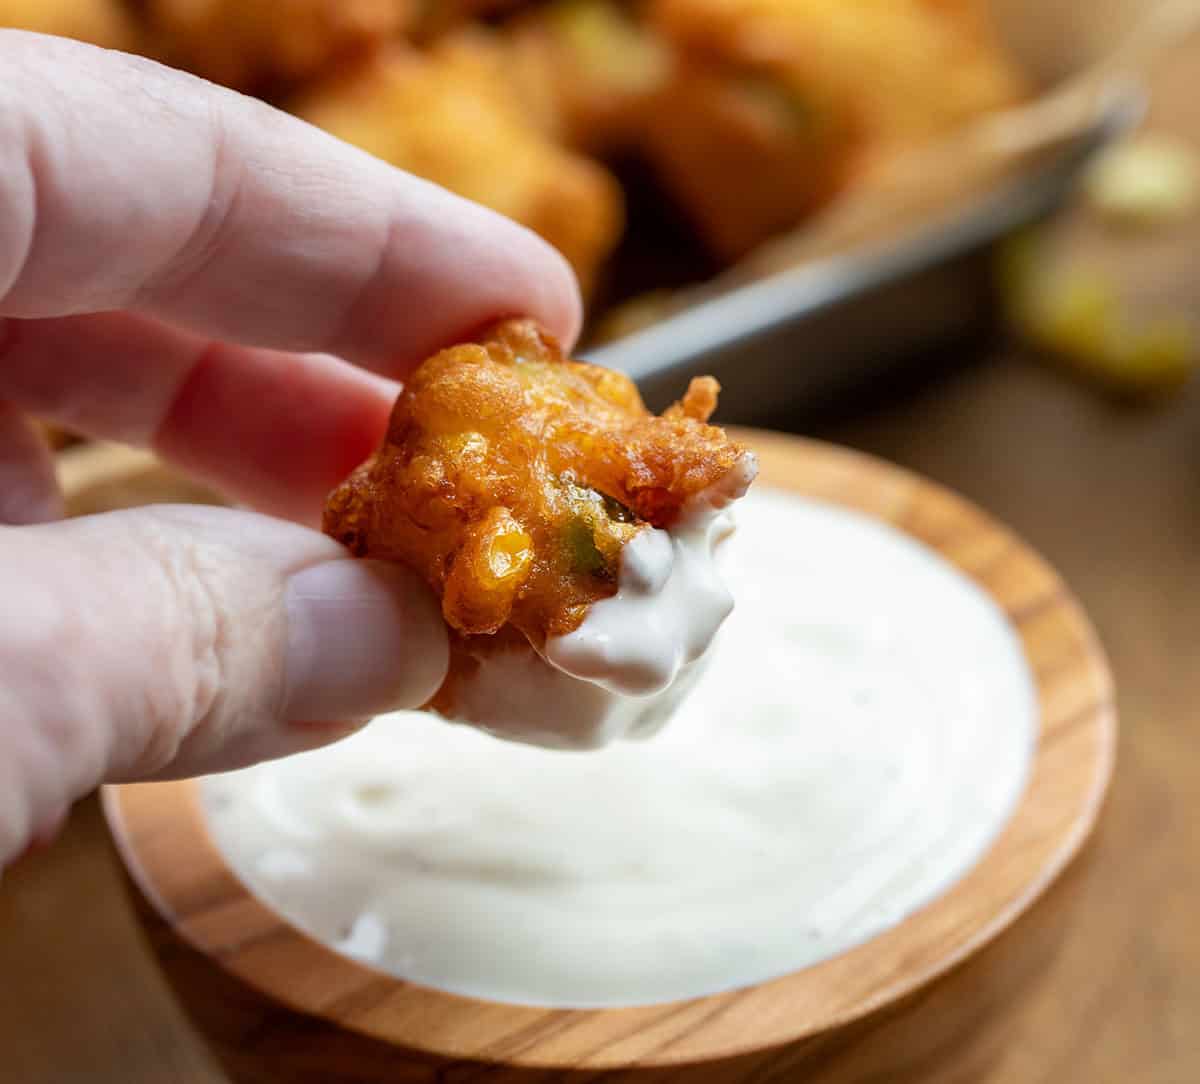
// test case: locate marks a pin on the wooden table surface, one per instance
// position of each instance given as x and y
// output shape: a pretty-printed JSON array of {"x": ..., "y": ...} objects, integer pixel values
[{"x": 1112, "y": 497}]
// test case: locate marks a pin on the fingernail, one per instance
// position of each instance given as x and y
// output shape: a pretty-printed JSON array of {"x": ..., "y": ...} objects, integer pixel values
[{"x": 363, "y": 637}]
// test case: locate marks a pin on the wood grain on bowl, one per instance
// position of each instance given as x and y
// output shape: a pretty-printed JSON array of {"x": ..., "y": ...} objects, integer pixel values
[{"x": 278, "y": 1006}]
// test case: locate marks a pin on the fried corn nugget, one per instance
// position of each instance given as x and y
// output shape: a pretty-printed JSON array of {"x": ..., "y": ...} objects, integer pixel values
[
  {"x": 588, "y": 69},
  {"x": 250, "y": 44},
  {"x": 776, "y": 105},
  {"x": 906, "y": 69},
  {"x": 453, "y": 116},
  {"x": 747, "y": 155},
  {"x": 98, "y": 22},
  {"x": 512, "y": 478}
]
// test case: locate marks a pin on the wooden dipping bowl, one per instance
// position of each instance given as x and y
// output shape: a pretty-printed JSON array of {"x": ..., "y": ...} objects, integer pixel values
[{"x": 278, "y": 1007}]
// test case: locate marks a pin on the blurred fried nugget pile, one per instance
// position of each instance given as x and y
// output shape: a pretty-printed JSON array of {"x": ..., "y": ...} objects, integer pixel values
[
  {"x": 494, "y": 156},
  {"x": 776, "y": 105},
  {"x": 752, "y": 113},
  {"x": 512, "y": 478}
]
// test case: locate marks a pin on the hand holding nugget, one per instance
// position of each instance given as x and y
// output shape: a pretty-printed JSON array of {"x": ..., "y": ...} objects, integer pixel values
[
  {"x": 568, "y": 531},
  {"x": 171, "y": 255}
]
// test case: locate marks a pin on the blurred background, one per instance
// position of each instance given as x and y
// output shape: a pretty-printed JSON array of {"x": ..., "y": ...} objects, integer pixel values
[{"x": 962, "y": 235}]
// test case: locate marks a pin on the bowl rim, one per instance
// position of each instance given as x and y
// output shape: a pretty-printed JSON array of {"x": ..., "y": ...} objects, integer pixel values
[{"x": 1071, "y": 767}]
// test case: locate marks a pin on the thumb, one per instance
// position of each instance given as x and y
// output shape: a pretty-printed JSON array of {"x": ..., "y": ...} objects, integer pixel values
[{"x": 182, "y": 640}]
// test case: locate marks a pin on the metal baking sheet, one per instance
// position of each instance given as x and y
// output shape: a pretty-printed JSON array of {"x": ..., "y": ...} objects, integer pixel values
[{"x": 811, "y": 331}]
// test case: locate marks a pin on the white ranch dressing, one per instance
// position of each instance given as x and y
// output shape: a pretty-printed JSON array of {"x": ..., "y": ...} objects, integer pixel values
[
  {"x": 637, "y": 655},
  {"x": 862, "y": 732},
  {"x": 670, "y": 600}
]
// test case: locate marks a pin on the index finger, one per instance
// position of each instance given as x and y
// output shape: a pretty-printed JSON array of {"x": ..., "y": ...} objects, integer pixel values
[{"x": 126, "y": 185}]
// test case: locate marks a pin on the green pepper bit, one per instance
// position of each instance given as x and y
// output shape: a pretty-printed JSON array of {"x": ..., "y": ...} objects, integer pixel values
[{"x": 582, "y": 552}]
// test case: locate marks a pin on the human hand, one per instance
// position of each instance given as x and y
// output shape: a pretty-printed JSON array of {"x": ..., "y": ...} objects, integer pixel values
[{"x": 178, "y": 267}]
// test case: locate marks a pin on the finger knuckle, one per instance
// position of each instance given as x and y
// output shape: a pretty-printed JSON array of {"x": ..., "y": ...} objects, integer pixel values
[
  {"x": 214, "y": 225},
  {"x": 193, "y": 660}
]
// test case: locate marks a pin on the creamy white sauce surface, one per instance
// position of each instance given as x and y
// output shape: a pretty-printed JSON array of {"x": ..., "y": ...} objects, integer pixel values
[
  {"x": 637, "y": 655},
  {"x": 862, "y": 731},
  {"x": 517, "y": 695},
  {"x": 671, "y": 599},
  {"x": 670, "y": 602}
]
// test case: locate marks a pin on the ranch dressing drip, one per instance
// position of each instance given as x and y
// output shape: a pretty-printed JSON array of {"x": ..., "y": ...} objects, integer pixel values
[
  {"x": 861, "y": 733},
  {"x": 636, "y": 656},
  {"x": 670, "y": 600}
]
